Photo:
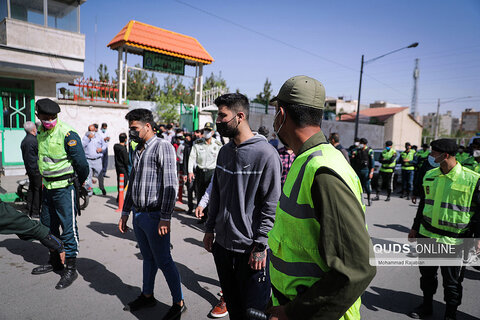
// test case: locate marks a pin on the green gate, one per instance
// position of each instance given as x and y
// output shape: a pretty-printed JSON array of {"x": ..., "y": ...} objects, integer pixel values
[{"x": 17, "y": 102}]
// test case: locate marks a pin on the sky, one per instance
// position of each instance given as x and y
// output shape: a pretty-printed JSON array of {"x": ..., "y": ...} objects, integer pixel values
[{"x": 251, "y": 41}]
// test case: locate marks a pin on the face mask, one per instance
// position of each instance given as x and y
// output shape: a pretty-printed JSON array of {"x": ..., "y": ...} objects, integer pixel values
[
  {"x": 388, "y": 148},
  {"x": 277, "y": 132},
  {"x": 441, "y": 160},
  {"x": 431, "y": 161},
  {"x": 476, "y": 153},
  {"x": 208, "y": 134},
  {"x": 182, "y": 142},
  {"x": 103, "y": 130},
  {"x": 357, "y": 144},
  {"x": 225, "y": 130},
  {"x": 135, "y": 135},
  {"x": 361, "y": 146},
  {"x": 49, "y": 124}
]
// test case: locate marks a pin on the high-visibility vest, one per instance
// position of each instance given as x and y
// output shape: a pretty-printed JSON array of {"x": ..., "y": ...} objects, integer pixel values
[
  {"x": 407, "y": 156},
  {"x": 462, "y": 156},
  {"x": 422, "y": 157},
  {"x": 53, "y": 160},
  {"x": 469, "y": 163},
  {"x": 448, "y": 204},
  {"x": 387, "y": 155},
  {"x": 296, "y": 259}
]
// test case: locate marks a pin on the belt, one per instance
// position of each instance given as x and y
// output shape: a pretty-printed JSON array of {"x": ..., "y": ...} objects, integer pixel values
[
  {"x": 204, "y": 170},
  {"x": 60, "y": 178},
  {"x": 143, "y": 209},
  {"x": 94, "y": 158}
]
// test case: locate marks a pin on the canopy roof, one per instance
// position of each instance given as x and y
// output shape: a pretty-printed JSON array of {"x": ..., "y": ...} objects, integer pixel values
[{"x": 137, "y": 37}]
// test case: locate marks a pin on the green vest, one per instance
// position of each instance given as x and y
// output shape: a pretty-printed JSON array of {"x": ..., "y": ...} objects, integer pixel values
[
  {"x": 52, "y": 158},
  {"x": 448, "y": 204},
  {"x": 387, "y": 155},
  {"x": 469, "y": 163},
  {"x": 296, "y": 259},
  {"x": 462, "y": 156},
  {"x": 408, "y": 156},
  {"x": 422, "y": 157}
]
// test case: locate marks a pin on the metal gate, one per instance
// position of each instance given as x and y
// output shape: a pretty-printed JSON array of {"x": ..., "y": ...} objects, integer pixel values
[{"x": 18, "y": 106}]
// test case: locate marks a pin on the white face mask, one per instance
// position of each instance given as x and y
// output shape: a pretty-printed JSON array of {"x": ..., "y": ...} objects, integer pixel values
[
  {"x": 476, "y": 153},
  {"x": 431, "y": 161},
  {"x": 357, "y": 144},
  {"x": 208, "y": 134},
  {"x": 361, "y": 146}
]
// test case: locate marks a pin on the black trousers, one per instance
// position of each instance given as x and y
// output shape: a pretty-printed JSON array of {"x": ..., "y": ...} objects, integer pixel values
[
  {"x": 34, "y": 194},
  {"x": 385, "y": 181},
  {"x": 202, "y": 180},
  {"x": 452, "y": 283},
  {"x": 242, "y": 286},
  {"x": 190, "y": 189}
]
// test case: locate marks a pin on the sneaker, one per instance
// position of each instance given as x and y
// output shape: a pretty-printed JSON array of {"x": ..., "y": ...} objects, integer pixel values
[
  {"x": 175, "y": 311},
  {"x": 421, "y": 312},
  {"x": 140, "y": 303},
  {"x": 220, "y": 310}
]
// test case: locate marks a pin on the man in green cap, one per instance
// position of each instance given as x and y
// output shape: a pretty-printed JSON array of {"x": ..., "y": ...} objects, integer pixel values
[{"x": 320, "y": 270}]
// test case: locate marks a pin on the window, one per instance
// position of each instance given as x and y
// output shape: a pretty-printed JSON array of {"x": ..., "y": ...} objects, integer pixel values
[
  {"x": 27, "y": 10},
  {"x": 62, "y": 15}
]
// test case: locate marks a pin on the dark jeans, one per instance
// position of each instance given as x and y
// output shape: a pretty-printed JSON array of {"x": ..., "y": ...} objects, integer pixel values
[
  {"x": 104, "y": 163},
  {"x": 202, "y": 180},
  {"x": 58, "y": 210},
  {"x": 452, "y": 283},
  {"x": 34, "y": 194},
  {"x": 242, "y": 286},
  {"x": 363, "y": 175},
  {"x": 190, "y": 189},
  {"x": 407, "y": 180}
]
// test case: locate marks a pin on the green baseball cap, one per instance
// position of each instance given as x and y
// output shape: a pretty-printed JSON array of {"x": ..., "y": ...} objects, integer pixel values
[{"x": 302, "y": 90}]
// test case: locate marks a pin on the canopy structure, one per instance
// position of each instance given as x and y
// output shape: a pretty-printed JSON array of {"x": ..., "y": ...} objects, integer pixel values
[{"x": 162, "y": 50}]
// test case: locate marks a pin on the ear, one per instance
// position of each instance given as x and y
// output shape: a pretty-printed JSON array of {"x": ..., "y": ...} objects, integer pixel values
[{"x": 241, "y": 116}]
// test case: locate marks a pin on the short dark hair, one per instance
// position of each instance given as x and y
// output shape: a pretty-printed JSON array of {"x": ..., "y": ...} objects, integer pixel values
[
  {"x": 95, "y": 125},
  {"x": 303, "y": 116},
  {"x": 335, "y": 137},
  {"x": 198, "y": 131},
  {"x": 104, "y": 125},
  {"x": 363, "y": 141},
  {"x": 122, "y": 137},
  {"x": 141, "y": 115},
  {"x": 235, "y": 102},
  {"x": 169, "y": 126}
]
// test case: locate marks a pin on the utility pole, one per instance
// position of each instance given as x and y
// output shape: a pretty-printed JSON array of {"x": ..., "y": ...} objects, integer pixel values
[
  {"x": 436, "y": 120},
  {"x": 416, "y": 74}
]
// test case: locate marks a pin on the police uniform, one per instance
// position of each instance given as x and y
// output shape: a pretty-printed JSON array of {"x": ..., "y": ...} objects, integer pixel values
[
  {"x": 322, "y": 198},
  {"x": 203, "y": 157},
  {"x": 61, "y": 156},
  {"x": 408, "y": 167},
  {"x": 449, "y": 214},
  {"x": 388, "y": 159},
  {"x": 363, "y": 163}
]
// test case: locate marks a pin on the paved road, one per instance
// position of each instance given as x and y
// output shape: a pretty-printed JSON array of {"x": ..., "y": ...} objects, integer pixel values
[{"x": 110, "y": 274}]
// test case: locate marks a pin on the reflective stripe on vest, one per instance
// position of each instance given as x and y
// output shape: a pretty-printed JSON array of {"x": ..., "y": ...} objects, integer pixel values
[
  {"x": 53, "y": 159},
  {"x": 448, "y": 201},
  {"x": 407, "y": 156},
  {"x": 295, "y": 256},
  {"x": 387, "y": 155}
]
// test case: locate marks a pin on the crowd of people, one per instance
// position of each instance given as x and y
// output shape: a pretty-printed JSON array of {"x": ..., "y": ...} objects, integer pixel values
[{"x": 284, "y": 217}]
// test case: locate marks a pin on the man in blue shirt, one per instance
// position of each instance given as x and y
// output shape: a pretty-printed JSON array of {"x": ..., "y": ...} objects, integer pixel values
[{"x": 94, "y": 146}]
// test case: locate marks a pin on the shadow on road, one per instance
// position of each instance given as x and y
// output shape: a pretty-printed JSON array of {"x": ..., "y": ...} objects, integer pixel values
[
  {"x": 32, "y": 252},
  {"x": 397, "y": 227},
  {"x": 111, "y": 229},
  {"x": 189, "y": 220},
  {"x": 194, "y": 241},
  {"x": 402, "y": 303},
  {"x": 191, "y": 281},
  {"x": 472, "y": 274}
]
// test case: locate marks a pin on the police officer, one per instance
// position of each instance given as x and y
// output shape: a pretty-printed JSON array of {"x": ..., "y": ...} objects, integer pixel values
[
  {"x": 60, "y": 155},
  {"x": 461, "y": 155},
  {"x": 444, "y": 214},
  {"x": 421, "y": 156},
  {"x": 388, "y": 159},
  {"x": 406, "y": 158},
  {"x": 311, "y": 278},
  {"x": 203, "y": 157},
  {"x": 469, "y": 160},
  {"x": 364, "y": 164}
]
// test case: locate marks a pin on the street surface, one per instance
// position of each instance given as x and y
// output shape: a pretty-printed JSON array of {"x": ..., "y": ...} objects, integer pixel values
[{"x": 110, "y": 271}]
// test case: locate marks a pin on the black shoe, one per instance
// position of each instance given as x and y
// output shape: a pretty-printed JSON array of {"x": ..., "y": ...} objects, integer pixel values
[
  {"x": 388, "y": 198},
  {"x": 140, "y": 303},
  {"x": 104, "y": 192},
  {"x": 421, "y": 312},
  {"x": 402, "y": 195},
  {"x": 69, "y": 275},
  {"x": 105, "y": 176},
  {"x": 54, "y": 264},
  {"x": 175, "y": 312},
  {"x": 376, "y": 198},
  {"x": 450, "y": 312},
  {"x": 408, "y": 197},
  {"x": 369, "y": 202}
]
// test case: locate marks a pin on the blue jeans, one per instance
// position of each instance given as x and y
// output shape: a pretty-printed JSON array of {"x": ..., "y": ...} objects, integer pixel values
[
  {"x": 407, "y": 180},
  {"x": 156, "y": 255}
]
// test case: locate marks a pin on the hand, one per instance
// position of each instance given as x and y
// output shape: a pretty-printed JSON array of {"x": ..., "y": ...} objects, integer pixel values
[
  {"x": 122, "y": 224},
  {"x": 370, "y": 176},
  {"x": 199, "y": 212},
  {"x": 277, "y": 313},
  {"x": 163, "y": 227},
  {"x": 184, "y": 179},
  {"x": 90, "y": 136},
  {"x": 191, "y": 176},
  {"x": 208, "y": 241},
  {"x": 99, "y": 150},
  {"x": 414, "y": 199},
  {"x": 412, "y": 235},
  {"x": 62, "y": 257},
  {"x": 258, "y": 260},
  {"x": 477, "y": 246}
]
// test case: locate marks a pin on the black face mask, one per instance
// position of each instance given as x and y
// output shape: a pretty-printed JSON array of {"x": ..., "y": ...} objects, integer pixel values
[
  {"x": 135, "y": 136},
  {"x": 225, "y": 130}
]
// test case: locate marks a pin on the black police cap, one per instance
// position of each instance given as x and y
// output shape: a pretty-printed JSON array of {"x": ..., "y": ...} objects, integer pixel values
[
  {"x": 47, "y": 106},
  {"x": 389, "y": 143},
  {"x": 444, "y": 145}
]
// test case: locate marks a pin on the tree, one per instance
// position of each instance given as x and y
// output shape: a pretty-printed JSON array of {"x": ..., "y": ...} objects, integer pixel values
[
  {"x": 102, "y": 71},
  {"x": 215, "y": 81},
  {"x": 136, "y": 84},
  {"x": 265, "y": 96}
]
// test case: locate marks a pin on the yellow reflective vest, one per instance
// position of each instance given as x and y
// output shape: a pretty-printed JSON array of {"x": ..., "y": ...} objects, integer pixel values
[
  {"x": 296, "y": 259},
  {"x": 387, "y": 155},
  {"x": 448, "y": 204}
]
